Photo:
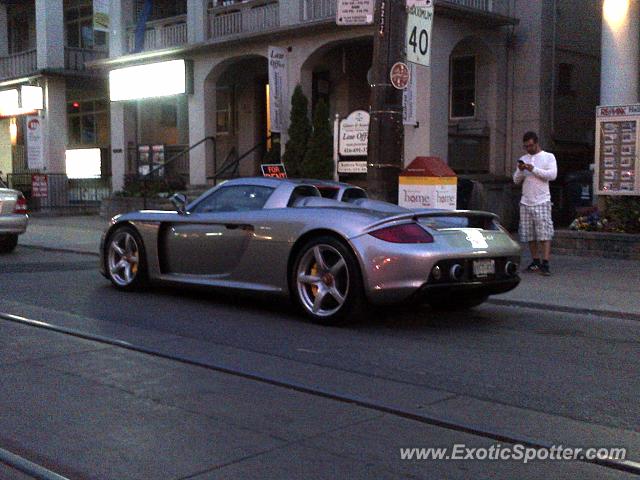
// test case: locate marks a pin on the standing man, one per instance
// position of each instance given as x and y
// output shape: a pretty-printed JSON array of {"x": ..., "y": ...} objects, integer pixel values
[{"x": 535, "y": 170}]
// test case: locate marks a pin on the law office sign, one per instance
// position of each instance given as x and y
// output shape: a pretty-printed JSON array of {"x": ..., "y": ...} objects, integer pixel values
[{"x": 354, "y": 134}]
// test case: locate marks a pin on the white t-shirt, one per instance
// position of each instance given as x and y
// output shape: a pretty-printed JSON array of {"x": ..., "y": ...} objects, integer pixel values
[{"x": 535, "y": 184}]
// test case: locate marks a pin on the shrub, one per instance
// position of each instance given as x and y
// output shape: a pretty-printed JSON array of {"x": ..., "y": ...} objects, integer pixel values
[
  {"x": 299, "y": 131},
  {"x": 318, "y": 161},
  {"x": 136, "y": 186},
  {"x": 622, "y": 216}
]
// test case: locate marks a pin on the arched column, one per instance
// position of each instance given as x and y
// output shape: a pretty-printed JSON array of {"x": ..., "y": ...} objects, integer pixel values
[{"x": 620, "y": 52}]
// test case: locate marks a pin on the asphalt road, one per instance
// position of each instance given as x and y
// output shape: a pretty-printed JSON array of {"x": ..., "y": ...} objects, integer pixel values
[{"x": 540, "y": 376}]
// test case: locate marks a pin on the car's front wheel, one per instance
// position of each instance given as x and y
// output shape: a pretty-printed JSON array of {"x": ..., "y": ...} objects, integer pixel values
[
  {"x": 125, "y": 259},
  {"x": 8, "y": 243},
  {"x": 326, "y": 283}
]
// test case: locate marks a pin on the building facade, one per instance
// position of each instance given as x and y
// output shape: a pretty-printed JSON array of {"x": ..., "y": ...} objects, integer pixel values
[
  {"x": 498, "y": 68},
  {"x": 45, "y": 44}
]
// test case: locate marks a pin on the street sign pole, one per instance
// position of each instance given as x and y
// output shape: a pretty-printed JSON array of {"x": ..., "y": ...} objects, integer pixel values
[{"x": 386, "y": 131}]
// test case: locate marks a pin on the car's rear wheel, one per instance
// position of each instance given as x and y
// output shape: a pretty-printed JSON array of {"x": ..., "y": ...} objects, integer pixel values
[
  {"x": 8, "y": 243},
  {"x": 326, "y": 282},
  {"x": 457, "y": 302},
  {"x": 125, "y": 259}
]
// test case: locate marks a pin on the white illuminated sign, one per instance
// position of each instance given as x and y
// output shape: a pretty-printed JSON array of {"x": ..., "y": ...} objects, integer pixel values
[
  {"x": 83, "y": 163},
  {"x": 9, "y": 105},
  {"x": 28, "y": 100},
  {"x": 31, "y": 98},
  {"x": 148, "y": 81}
]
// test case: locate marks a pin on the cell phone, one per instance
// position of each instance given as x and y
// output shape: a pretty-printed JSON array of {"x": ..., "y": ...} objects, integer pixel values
[{"x": 521, "y": 162}]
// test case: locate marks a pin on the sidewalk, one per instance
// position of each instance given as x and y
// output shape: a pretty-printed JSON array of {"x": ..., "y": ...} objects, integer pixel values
[{"x": 578, "y": 284}]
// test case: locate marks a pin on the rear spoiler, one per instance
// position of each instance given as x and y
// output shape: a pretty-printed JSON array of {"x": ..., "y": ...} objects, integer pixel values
[{"x": 416, "y": 216}]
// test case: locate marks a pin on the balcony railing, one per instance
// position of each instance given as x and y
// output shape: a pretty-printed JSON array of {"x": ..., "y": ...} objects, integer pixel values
[
  {"x": 493, "y": 6},
  {"x": 19, "y": 64},
  {"x": 75, "y": 58},
  {"x": 245, "y": 17},
  {"x": 164, "y": 33},
  {"x": 312, "y": 10}
]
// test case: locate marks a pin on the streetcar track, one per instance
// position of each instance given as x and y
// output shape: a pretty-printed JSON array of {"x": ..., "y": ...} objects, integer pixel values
[{"x": 627, "y": 466}]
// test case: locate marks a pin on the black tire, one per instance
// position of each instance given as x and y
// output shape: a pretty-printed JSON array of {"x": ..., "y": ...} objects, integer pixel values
[
  {"x": 8, "y": 243},
  {"x": 337, "y": 276},
  {"x": 453, "y": 303},
  {"x": 124, "y": 247}
]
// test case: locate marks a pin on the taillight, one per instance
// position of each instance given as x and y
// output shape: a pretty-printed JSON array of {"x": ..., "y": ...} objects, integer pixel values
[
  {"x": 21, "y": 205},
  {"x": 405, "y": 233}
]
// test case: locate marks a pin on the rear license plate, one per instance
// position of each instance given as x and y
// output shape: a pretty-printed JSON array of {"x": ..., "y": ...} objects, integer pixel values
[{"x": 483, "y": 268}]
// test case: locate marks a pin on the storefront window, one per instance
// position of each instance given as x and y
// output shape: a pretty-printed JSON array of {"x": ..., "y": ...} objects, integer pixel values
[
  {"x": 463, "y": 87},
  {"x": 88, "y": 122}
]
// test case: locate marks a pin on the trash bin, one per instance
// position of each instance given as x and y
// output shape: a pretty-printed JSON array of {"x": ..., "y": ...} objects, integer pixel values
[
  {"x": 578, "y": 192},
  {"x": 427, "y": 182}
]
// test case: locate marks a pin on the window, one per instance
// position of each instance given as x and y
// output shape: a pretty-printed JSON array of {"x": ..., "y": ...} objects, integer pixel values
[
  {"x": 224, "y": 110},
  {"x": 18, "y": 27},
  {"x": 235, "y": 198},
  {"x": 300, "y": 192},
  {"x": 565, "y": 79},
  {"x": 88, "y": 122},
  {"x": 78, "y": 23},
  {"x": 463, "y": 87},
  {"x": 352, "y": 194}
]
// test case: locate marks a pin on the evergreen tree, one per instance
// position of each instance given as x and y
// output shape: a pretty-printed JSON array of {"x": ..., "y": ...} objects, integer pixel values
[
  {"x": 318, "y": 160},
  {"x": 299, "y": 131}
]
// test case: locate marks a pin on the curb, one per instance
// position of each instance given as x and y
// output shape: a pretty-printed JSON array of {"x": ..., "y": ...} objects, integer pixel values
[
  {"x": 59, "y": 249},
  {"x": 565, "y": 309}
]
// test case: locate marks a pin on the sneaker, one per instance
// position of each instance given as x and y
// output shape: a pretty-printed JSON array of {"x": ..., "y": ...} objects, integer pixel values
[
  {"x": 544, "y": 270},
  {"x": 533, "y": 267}
]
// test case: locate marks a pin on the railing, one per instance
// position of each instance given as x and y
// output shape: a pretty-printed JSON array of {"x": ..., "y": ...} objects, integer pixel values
[
  {"x": 165, "y": 168},
  {"x": 493, "y": 6},
  {"x": 62, "y": 192},
  {"x": 231, "y": 164},
  {"x": 242, "y": 18},
  {"x": 312, "y": 10},
  {"x": 19, "y": 64},
  {"x": 75, "y": 58},
  {"x": 164, "y": 33},
  {"x": 177, "y": 164}
]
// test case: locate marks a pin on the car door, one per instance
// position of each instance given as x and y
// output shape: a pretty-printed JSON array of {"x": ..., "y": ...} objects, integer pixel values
[{"x": 212, "y": 239}]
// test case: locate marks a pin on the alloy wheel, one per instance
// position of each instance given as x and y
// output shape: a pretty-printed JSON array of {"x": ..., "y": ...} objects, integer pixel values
[
  {"x": 322, "y": 279},
  {"x": 123, "y": 258}
]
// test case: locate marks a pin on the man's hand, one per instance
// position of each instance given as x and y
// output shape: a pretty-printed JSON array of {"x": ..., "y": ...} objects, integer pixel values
[{"x": 528, "y": 166}]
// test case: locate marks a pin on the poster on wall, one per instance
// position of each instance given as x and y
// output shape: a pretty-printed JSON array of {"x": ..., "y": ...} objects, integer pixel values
[
  {"x": 409, "y": 95},
  {"x": 278, "y": 95},
  {"x": 617, "y": 167},
  {"x": 35, "y": 153},
  {"x": 101, "y": 15}
]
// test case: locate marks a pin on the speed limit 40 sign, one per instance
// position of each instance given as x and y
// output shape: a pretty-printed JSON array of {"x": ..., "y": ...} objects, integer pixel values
[{"x": 419, "y": 24}]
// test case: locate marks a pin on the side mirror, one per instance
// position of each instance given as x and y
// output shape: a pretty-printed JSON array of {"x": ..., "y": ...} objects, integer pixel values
[{"x": 179, "y": 201}]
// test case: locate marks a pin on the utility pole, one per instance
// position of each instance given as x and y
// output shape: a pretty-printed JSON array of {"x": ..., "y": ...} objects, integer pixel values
[{"x": 386, "y": 131}]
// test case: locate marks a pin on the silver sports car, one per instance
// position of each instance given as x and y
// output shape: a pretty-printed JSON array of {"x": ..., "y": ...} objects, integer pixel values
[
  {"x": 13, "y": 217},
  {"x": 332, "y": 257}
]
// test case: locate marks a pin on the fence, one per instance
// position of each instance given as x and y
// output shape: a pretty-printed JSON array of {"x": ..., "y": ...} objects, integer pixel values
[
  {"x": 238, "y": 18},
  {"x": 63, "y": 194},
  {"x": 18, "y": 64}
]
